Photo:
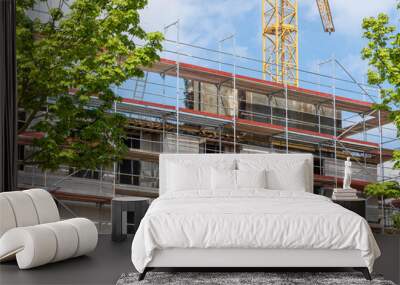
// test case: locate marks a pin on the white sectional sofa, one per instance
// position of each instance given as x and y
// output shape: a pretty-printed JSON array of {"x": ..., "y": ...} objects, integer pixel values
[{"x": 31, "y": 230}]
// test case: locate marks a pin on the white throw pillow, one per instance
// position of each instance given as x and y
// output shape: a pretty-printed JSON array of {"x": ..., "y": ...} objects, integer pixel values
[
  {"x": 183, "y": 177},
  {"x": 278, "y": 178},
  {"x": 223, "y": 179},
  {"x": 251, "y": 178},
  {"x": 282, "y": 174}
]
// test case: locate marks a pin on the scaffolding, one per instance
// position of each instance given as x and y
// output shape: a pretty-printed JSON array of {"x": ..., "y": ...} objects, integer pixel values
[
  {"x": 215, "y": 101},
  {"x": 201, "y": 100}
]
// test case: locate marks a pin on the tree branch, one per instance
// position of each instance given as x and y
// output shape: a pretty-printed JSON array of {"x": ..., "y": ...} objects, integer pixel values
[{"x": 28, "y": 122}]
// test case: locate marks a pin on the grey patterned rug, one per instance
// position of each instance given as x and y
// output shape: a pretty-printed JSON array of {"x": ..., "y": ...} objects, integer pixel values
[{"x": 243, "y": 278}]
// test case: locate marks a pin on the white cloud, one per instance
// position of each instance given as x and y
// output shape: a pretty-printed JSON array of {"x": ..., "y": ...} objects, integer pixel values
[
  {"x": 202, "y": 23},
  {"x": 348, "y": 14}
]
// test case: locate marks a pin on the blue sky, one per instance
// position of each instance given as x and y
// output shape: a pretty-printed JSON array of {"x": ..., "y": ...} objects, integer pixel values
[{"x": 205, "y": 22}]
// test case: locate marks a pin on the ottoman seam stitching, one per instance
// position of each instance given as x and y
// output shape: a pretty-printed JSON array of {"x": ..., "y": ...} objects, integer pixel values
[
  {"x": 13, "y": 210},
  {"x": 54, "y": 233},
  {"x": 77, "y": 233},
  {"x": 34, "y": 206}
]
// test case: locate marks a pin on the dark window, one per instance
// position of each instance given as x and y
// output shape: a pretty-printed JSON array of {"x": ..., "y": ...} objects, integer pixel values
[{"x": 129, "y": 172}]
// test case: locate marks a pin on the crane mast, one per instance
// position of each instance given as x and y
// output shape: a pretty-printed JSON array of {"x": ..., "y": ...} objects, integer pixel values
[{"x": 280, "y": 41}]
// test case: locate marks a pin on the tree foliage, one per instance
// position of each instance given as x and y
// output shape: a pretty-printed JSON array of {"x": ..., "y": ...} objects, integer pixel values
[
  {"x": 387, "y": 189},
  {"x": 383, "y": 54},
  {"x": 76, "y": 52}
]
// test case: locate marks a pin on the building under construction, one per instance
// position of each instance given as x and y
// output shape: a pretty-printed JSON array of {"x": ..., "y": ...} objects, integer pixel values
[{"x": 190, "y": 108}]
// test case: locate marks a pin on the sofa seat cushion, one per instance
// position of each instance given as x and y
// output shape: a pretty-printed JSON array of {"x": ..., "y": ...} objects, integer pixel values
[
  {"x": 26, "y": 208},
  {"x": 40, "y": 244},
  {"x": 7, "y": 218}
]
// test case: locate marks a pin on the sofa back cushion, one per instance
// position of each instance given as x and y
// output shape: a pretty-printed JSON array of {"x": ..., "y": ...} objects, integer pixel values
[
  {"x": 26, "y": 208},
  {"x": 7, "y": 219}
]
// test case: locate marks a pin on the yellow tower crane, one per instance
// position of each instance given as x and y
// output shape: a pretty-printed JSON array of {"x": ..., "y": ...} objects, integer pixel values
[{"x": 280, "y": 38}]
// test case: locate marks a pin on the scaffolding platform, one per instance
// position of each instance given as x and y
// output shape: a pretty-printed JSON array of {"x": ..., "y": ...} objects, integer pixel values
[{"x": 213, "y": 76}]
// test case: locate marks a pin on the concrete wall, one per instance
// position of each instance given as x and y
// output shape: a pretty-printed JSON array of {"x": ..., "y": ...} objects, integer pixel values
[
  {"x": 207, "y": 97},
  {"x": 187, "y": 144}
]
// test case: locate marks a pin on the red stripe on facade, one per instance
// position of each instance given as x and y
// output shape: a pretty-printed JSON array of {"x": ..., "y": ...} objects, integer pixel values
[
  {"x": 332, "y": 137},
  {"x": 146, "y": 103},
  {"x": 208, "y": 114},
  {"x": 260, "y": 124},
  {"x": 268, "y": 83}
]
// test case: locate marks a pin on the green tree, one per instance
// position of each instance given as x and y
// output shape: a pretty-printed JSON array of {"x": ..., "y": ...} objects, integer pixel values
[
  {"x": 66, "y": 57},
  {"x": 383, "y": 54},
  {"x": 387, "y": 189}
]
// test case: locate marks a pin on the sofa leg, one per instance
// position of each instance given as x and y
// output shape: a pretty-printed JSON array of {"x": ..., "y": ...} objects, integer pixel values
[
  {"x": 143, "y": 274},
  {"x": 364, "y": 271}
]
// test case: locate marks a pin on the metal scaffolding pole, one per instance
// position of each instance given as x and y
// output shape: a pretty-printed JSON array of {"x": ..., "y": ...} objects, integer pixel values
[
  {"x": 176, "y": 24},
  {"x": 270, "y": 108},
  {"x": 365, "y": 164},
  {"x": 318, "y": 113},
  {"x": 115, "y": 163},
  {"x": 163, "y": 135},
  {"x": 382, "y": 169},
  {"x": 286, "y": 119},
  {"x": 220, "y": 142},
  {"x": 218, "y": 98},
  {"x": 235, "y": 99},
  {"x": 380, "y": 147},
  {"x": 334, "y": 117},
  {"x": 364, "y": 130},
  {"x": 334, "y": 97},
  {"x": 235, "y": 105},
  {"x": 177, "y": 87},
  {"x": 320, "y": 159}
]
